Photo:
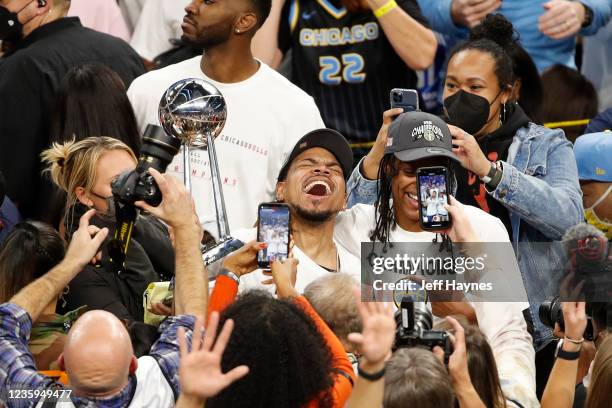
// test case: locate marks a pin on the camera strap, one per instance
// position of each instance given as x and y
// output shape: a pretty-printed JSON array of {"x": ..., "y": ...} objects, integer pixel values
[{"x": 118, "y": 247}]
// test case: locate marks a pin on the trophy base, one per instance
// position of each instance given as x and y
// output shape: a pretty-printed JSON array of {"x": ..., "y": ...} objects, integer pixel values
[{"x": 221, "y": 250}]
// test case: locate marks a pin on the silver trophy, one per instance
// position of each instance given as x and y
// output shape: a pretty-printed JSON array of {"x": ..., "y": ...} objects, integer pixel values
[{"x": 194, "y": 111}]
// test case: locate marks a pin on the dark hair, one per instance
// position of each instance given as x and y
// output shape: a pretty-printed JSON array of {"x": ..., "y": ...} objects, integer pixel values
[
  {"x": 92, "y": 101},
  {"x": 481, "y": 363},
  {"x": 384, "y": 210},
  {"x": 262, "y": 8},
  {"x": 568, "y": 95},
  {"x": 496, "y": 37},
  {"x": 531, "y": 90},
  {"x": 482, "y": 368},
  {"x": 29, "y": 251},
  {"x": 289, "y": 362},
  {"x": 385, "y": 214}
]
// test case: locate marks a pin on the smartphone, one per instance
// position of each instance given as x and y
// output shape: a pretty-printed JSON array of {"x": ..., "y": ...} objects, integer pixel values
[
  {"x": 433, "y": 190},
  {"x": 407, "y": 99},
  {"x": 273, "y": 228}
]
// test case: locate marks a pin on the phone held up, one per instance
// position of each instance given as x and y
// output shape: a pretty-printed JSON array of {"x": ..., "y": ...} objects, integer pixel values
[
  {"x": 407, "y": 99},
  {"x": 433, "y": 190},
  {"x": 273, "y": 228}
]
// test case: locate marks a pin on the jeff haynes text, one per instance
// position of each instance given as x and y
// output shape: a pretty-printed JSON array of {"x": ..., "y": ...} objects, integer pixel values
[{"x": 438, "y": 284}]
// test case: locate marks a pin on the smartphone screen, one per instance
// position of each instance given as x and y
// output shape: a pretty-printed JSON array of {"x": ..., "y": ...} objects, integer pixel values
[
  {"x": 273, "y": 229},
  {"x": 433, "y": 194},
  {"x": 407, "y": 99}
]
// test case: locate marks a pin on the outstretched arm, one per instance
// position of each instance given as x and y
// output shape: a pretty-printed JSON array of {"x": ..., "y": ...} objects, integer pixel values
[
  {"x": 83, "y": 248},
  {"x": 415, "y": 43},
  {"x": 178, "y": 211}
]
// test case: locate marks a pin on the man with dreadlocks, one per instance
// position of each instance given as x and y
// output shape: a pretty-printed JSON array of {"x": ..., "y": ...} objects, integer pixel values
[{"x": 386, "y": 178}]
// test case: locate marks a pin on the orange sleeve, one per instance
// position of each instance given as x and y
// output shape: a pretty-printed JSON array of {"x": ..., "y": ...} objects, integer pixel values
[
  {"x": 223, "y": 294},
  {"x": 342, "y": 387}
]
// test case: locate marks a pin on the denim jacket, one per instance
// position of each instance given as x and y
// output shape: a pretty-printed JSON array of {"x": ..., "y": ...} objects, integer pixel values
[{"x": 540, "y": 189}]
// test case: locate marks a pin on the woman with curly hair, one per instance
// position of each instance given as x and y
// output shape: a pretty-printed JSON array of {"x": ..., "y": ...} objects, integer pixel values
[{"x": 294, "y": 358}]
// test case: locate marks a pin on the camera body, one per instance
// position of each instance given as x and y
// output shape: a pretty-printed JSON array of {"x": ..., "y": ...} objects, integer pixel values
[
  {"x": 550, "y": 312},
  {"x": 157, "y": 152},
  {"x": 414, "y": 322}
]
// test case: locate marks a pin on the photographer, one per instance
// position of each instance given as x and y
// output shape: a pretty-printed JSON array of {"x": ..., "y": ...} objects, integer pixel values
[
  {"x": 559, "y": 391},
  {"x": 98, "y": 356},
  {"x": 85, "y": 170},
  {"x": 415, "y": 376}
]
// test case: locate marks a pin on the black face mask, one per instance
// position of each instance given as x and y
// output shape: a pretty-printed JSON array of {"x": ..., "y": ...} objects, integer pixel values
[
  {"x": 10, "y": 27},
  {"x": 468, "y": 111}
]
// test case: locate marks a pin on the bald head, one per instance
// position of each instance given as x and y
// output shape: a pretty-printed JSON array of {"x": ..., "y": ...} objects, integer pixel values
[{"x": 98, "y": 355}]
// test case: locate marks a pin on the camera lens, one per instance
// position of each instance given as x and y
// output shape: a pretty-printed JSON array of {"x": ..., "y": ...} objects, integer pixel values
[
  {"x": 550, "y": 312},
  {"x": 397, "y": 96}
]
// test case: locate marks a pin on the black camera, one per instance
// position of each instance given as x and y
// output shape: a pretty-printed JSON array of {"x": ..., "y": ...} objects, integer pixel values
[
  {"x": 414, "y": 323},
  {"x": 550, "y": 312},
  {"x": 157, "y": 152}
]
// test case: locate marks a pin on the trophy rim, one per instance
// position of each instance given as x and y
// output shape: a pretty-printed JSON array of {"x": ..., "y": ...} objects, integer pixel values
[{"x": 165, "y": 109}]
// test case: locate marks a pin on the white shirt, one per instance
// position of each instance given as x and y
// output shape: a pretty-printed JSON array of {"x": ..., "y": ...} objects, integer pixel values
[
  {"x": 501, "y": 322},
  {"x": 266, "y": 116},
  {"x": 160, "y": 21},
  {"x": 355, "y": 225},
  {"x": 307, "y": 270}
]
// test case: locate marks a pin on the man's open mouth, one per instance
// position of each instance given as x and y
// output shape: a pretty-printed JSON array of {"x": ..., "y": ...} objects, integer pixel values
[{"x": 319, "y": 188}]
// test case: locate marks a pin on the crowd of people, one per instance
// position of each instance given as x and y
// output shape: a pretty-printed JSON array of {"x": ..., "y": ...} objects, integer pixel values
[{"x": 515, "y": 109}]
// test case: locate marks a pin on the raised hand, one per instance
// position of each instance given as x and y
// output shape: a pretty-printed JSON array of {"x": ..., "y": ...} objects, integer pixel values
[
  {"x": 85, "y": 242},
  {"x": 244, "y": 260},
  {"x": 177, "y": 208},
  {"x": 284, "y": 275},
  {"x": 575, "y": 320},
  {"x": 371, "y": 162},
  {"x": 470, "y": 13},
  {"x": 461, "y": 230},
  {"x": 376, "y": 338},
  {"x": 562, "y": 19},
  {"x": 469, "y": 152},
  {"x": 200, "y": 369}
]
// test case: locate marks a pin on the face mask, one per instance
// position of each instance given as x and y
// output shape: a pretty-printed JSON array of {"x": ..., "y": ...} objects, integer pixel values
[
  {"x": 10, "y": 27},
  {"x": 468, "y": 111},
  {"x": 594, "y": 220},
  {"x": 111, "y": 213}
]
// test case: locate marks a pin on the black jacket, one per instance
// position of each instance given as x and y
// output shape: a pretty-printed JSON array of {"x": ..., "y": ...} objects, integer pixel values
[
  {"x": 150, "y": 258},
  {"x": 29, "y": 79}
]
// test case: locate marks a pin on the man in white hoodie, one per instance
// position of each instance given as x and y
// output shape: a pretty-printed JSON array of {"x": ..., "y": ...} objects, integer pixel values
[{"x": 266, "y": 114}]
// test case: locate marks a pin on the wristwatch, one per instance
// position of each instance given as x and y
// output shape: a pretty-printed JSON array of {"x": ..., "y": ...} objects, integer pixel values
[
  {"x": 489, "y": 176},
  {"x": 230, "y": 274}
]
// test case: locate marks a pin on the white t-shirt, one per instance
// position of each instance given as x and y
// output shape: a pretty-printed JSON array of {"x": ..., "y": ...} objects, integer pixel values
[
  {"x": 266, "y": 116},
  {"x": 355, "y": 225},
  {"x": 159, "y": 22},
  {"x": 308, "y": 270}
]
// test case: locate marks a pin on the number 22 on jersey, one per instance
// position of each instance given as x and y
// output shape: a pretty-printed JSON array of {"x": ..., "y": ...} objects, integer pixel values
[{"x": 349, "y": 69}]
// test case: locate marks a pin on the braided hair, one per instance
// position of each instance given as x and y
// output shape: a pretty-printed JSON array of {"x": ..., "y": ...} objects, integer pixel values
[{"x": 385, "y": 213}]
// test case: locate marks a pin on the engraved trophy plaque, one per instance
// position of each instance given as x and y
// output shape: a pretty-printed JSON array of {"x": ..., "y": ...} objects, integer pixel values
[{"x": 194, "y": 111}]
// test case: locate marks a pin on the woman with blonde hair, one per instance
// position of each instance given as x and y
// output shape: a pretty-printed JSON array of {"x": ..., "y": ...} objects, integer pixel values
[{"x": 85, "y": 170}]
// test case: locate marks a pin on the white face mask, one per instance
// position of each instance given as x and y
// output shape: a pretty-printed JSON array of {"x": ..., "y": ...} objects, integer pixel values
[{"x": 592, "y": 218}]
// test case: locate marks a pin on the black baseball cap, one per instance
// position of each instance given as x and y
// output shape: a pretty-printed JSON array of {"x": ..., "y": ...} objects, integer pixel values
[
  {"x": 418, "y": 135},
  {"x": 327, "y": 139}
]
